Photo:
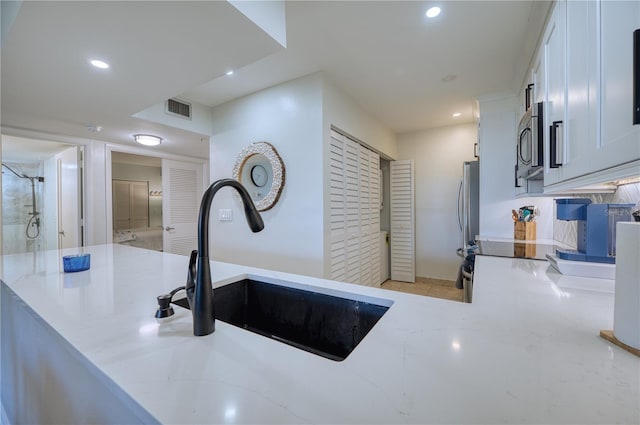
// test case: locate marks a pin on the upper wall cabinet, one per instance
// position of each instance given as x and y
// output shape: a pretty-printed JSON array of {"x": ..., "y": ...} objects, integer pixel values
[
  {"x": 587, "y": 57},
  {"x": 619, "y": 138}
]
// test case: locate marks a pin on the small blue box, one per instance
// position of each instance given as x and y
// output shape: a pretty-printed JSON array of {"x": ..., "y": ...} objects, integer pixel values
[{"x": 76, "y": 263}]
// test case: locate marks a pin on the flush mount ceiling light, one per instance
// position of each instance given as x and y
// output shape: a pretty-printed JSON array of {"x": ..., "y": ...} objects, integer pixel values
[
  {"x": 433, "y": 12},
  {"x": 99, "y": 64},
  {"x": 147, "y": 139},
  {"x": 229, "y": 72},
  {"x": 456, "y": 114}
]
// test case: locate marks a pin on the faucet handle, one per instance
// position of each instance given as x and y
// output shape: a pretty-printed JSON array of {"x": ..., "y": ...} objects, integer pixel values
[
  {"x": 191, "y": 272},
  {"x": 192, "y": 266}
]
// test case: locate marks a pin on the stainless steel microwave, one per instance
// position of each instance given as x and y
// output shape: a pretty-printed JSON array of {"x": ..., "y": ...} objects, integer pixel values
[{"x": 530, "y": 144}]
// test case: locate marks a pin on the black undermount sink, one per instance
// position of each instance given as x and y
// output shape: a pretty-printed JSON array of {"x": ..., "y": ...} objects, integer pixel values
[{"x": 326, "y": 325}]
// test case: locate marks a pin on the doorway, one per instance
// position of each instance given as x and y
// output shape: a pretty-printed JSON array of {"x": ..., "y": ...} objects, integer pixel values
[
  {"x": 42, "y": 186},
  {"x": 136, "y": 190},
  {"x": 153, "y": 202}
]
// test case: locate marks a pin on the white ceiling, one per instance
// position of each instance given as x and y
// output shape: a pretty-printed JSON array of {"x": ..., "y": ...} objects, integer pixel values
[
  {"x": 386, "y": 55},
  {"x": 19, "y": 149}
]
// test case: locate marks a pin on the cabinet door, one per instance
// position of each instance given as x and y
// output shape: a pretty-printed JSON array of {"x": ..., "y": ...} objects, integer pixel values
[
  {"x": 538, "y": 77},
  {"x": 619, "y": 139},
  {"x": 580, "y": 122},
  {"x": 139, "y": 205},
  {"x": 121, "y": 205},
  {"x": 554, "y": 59}
]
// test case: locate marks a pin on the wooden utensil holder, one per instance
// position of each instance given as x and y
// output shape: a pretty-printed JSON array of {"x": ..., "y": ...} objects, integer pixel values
[{"x": 524, "y": 230}]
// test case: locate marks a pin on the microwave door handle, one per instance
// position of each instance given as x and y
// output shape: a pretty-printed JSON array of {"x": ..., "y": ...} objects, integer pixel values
[
  {"x": 555, "y": 148},
  {"x": 535, "y": 161},
  {"x": 520, "y": 149}
]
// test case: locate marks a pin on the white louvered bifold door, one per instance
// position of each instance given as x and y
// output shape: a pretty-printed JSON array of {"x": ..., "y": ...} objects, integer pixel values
[
  {"x": 354, "y": 212},
  {"x": 402, "y": 221},
  {"x": 365, "y": 216},
  {"x": 182, "y": 191},
  {"x": 374, "y": 226},
  {"x": 337, "y": 188},
  {"x": 352, "y": 204}
]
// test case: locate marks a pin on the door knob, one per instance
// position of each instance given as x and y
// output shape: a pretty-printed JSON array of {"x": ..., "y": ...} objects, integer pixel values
[{"x": 168, "y": 228}]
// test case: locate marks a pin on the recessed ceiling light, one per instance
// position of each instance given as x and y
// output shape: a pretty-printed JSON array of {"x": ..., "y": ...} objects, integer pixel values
[
  {"x": 456, "y": 114},
  {"x": 147, "y": 139},
  {"x": 433, "y": 12},
  {"x": 99, "y": 64},
  {"x": 229, "y": 72}
]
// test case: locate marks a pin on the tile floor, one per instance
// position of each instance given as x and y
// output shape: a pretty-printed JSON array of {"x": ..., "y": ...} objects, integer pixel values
[{"x": 437, "y": 288}]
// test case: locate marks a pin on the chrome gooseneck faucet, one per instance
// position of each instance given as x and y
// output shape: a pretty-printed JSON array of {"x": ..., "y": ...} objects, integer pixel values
[{"x": 199, "y": 288}]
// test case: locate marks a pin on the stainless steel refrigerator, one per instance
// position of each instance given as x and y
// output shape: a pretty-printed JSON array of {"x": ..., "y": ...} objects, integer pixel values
[{"x": 468, "y": 203}]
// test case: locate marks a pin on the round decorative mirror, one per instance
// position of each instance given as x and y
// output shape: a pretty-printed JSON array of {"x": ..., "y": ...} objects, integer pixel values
[{"x": 260, "y": 170}]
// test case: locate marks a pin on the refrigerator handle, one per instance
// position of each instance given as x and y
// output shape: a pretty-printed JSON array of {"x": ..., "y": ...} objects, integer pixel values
[
  {"x": 459, "y": 206},
  {"x": 636, "y": 77}
]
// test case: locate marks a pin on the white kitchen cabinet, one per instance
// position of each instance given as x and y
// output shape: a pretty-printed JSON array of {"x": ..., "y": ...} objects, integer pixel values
[
  {"x": 619, "y": 141},
  {"x": 553, "y": 48},
  {"x": 537, "y": 93},
  {"x": 581, "y": 114},
  {"x": 587, "y": 47},
  {"x": 538, "y": 78},
  {"x": 354, "y": 212},
  {"x": 576, "y": 125}
]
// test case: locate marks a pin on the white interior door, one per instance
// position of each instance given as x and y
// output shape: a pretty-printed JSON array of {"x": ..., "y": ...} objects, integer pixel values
[
  {"x": 403, "y": 262},
  {"x": 182, "y": 189},
  {"x": 50, "y": 203},
  {"x": 68, "y": 163}
]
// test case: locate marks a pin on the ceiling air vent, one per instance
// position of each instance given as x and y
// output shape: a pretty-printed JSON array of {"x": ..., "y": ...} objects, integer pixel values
[{"x": 179, "y": 108}]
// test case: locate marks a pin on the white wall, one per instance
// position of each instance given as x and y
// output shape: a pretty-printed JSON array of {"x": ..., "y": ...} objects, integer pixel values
[
  {"x": 344, "y": 113},
  {"x": 438, "y": 155},
  {"x": 289, "y": 116},
  {"x": 498, "y": 120},
  {"x": 296, "y": 117}
]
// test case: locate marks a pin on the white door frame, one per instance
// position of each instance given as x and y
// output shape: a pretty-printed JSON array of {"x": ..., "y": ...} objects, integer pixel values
[{"x": 110, "y": 148}]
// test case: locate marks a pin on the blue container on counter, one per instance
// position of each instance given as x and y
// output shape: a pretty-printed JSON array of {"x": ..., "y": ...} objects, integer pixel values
[{"x": 76, "y": 263}]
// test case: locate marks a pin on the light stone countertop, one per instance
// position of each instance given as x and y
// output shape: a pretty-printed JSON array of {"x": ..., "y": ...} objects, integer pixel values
[{"x": 526, "y": 351}]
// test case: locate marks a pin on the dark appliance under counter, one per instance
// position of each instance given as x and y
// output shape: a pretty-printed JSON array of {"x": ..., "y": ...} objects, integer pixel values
[{"x": 516, "y": 249}]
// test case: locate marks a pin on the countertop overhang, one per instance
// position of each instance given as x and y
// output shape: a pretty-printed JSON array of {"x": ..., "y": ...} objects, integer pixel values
[{"x": 525, "y": 351}]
